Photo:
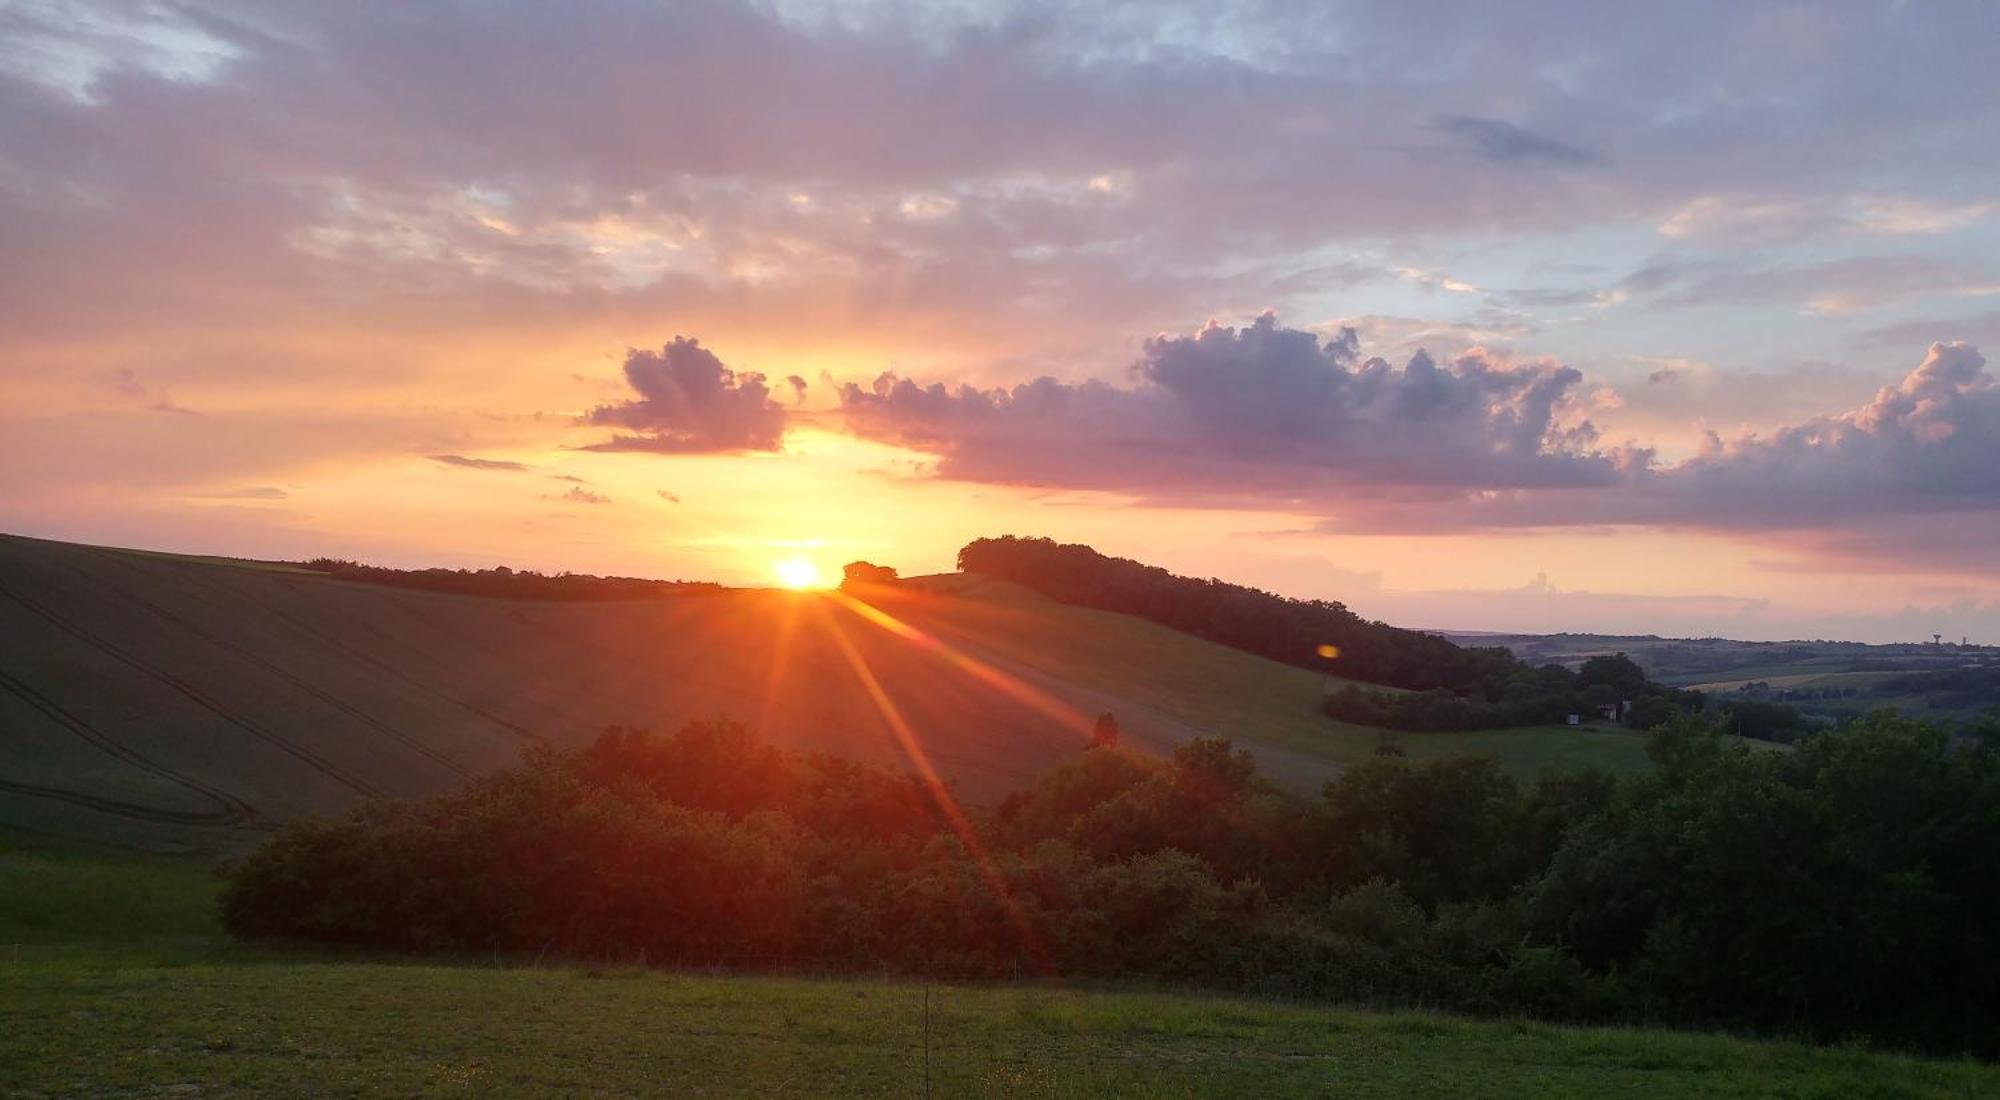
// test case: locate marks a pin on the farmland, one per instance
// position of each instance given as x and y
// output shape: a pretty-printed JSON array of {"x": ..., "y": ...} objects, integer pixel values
[{"x": 181, "y": 703}]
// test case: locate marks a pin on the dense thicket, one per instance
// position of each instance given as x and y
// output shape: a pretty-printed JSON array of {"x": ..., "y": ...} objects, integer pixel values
[
  {"x": 1843, "y": 891},
  {"x": 512, "y": 584}
]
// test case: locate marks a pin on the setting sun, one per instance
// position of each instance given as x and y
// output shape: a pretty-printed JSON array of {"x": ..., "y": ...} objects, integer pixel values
[{"x": 798, "y": 573}]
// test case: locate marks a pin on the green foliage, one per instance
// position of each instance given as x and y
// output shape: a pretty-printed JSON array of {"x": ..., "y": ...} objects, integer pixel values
[
  {"x": 1764, "y": 721},
  {"x": 1843, "y": 889},
  {"x": 1618, "y": 672}
]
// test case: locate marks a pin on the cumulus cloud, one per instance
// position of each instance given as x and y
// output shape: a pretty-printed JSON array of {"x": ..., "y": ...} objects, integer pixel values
[
  {"x": 1266, "y": 416},
  {"x": 1928, "y": 446},
  {"x": 690, "y": 403},
  {"x": 1263, "y": 411}
]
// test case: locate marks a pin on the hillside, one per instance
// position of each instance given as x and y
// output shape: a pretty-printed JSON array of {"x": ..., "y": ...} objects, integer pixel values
[
  {"x": 1950, "y": 682},
  {"x": 175, "y": 702}
]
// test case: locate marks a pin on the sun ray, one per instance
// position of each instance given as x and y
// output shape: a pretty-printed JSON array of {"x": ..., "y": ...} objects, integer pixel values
[
  {"x": 1013, "y": 686},
  {"x": 947, "y": 802},
  {"x": 781, "y": 652}
]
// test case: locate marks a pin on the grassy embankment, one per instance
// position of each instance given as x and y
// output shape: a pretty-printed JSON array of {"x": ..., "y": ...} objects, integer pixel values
[{"x": 115, "y": 980}]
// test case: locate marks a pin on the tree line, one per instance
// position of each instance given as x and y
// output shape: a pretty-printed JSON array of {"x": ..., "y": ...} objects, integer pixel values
[
  {"x": 502, "y": 582},
  {"x": 1844, "y": 891},
  {"x": 1278, "y": 627},
  {"x": 1447, "y": 686}
]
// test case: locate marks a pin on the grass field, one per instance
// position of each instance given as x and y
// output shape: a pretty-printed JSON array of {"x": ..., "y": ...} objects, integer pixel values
[
  {"x": 114, "y": 981},
  {"x": 176, "y": 703}
]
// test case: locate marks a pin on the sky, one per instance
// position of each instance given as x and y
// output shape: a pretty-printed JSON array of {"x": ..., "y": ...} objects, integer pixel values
[{"x": 1527, "y": 317}]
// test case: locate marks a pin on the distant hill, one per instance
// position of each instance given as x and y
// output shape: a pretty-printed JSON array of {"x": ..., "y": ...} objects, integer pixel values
[
  {"x": 1946, "y": 682},
  {"x": 171, "y": 702}
]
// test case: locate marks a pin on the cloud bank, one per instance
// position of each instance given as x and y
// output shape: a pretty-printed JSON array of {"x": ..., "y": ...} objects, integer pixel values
[{"x": 1265, "y": 416}]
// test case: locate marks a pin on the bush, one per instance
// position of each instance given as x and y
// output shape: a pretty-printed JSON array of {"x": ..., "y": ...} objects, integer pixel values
[{"x": 1844, "y": 888}]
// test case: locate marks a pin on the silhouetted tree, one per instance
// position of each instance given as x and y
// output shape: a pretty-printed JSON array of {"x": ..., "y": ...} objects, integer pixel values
[{"x": 861, "y": 574}]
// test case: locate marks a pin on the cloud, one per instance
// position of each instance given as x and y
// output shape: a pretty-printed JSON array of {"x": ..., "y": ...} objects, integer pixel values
[
  {"x": 670, "y": 498},
  {"x": 1927, "y": 447},
  {"x": 1768, "y": 220},
  {"x": 1847, "y": 285},
  {"x": 1265, "y": 416},
  {"x": 253, "y": 492},
  {"x": 689, "y": 403},
  {"x": 128, "y": 385},
  {"x": 1929, "y": 444},
  {"x": 1504, "y": 142},
  {"x": 1262, "y": 412},
  {"x": 580, "y": 495},
  {"x": 480, "y": 463}
]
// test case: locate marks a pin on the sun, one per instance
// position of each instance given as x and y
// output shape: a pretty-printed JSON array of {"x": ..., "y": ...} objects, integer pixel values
[{"x": 799, "y": 574}]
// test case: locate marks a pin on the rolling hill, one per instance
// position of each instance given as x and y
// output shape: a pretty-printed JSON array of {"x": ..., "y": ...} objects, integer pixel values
[{"x": 174, "y": 702}]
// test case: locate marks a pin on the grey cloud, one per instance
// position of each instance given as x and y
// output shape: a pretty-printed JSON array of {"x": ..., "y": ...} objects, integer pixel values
[
  {"x": 1502, "y": 141},
  {"x": 690, "y": 403},
  {"x": 253, "y": 492},
  {"x": 1262, "y": 412},
  {"x": 580, "y": 495},
  {"x": 480, "y": 463}
]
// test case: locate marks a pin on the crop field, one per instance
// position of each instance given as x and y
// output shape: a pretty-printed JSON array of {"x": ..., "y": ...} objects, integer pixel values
[
  {"x": 114, "y": 981},
  {"x": 180, "y": 703}
]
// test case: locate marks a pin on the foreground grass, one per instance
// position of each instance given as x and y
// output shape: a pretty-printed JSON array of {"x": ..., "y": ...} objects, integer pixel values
[{"x": 146, "y": 998}]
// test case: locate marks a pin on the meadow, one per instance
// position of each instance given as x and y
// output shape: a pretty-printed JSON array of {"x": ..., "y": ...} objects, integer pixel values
[{"x": 116, "y": 980}]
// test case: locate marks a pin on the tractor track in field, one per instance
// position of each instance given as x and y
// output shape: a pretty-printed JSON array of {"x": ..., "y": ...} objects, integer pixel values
[
  {"x": 256, "y": 661},
  {"x": 197, "y": 696},
  {"x": 306, "y": 629},
  {"x": 235, "y": 813},
  {"x": 606, "y": 655},
  {"x": 470, "y": 638}
]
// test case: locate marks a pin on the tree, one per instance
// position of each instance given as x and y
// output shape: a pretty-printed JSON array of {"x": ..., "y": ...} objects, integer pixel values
[
  {"x": 1104, "y": 733},
  {"x": 861, "y": 574},
  {"x": 1618, "y": 672}
]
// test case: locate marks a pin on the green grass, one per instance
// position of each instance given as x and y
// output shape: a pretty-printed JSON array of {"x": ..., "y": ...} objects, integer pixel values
[
  {"x": 114, "y": 981},
  {"x": 1259, "y": 702}
]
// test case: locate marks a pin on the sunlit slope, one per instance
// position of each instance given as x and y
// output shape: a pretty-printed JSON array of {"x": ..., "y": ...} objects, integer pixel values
[{"x": 178, "y": 702}]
